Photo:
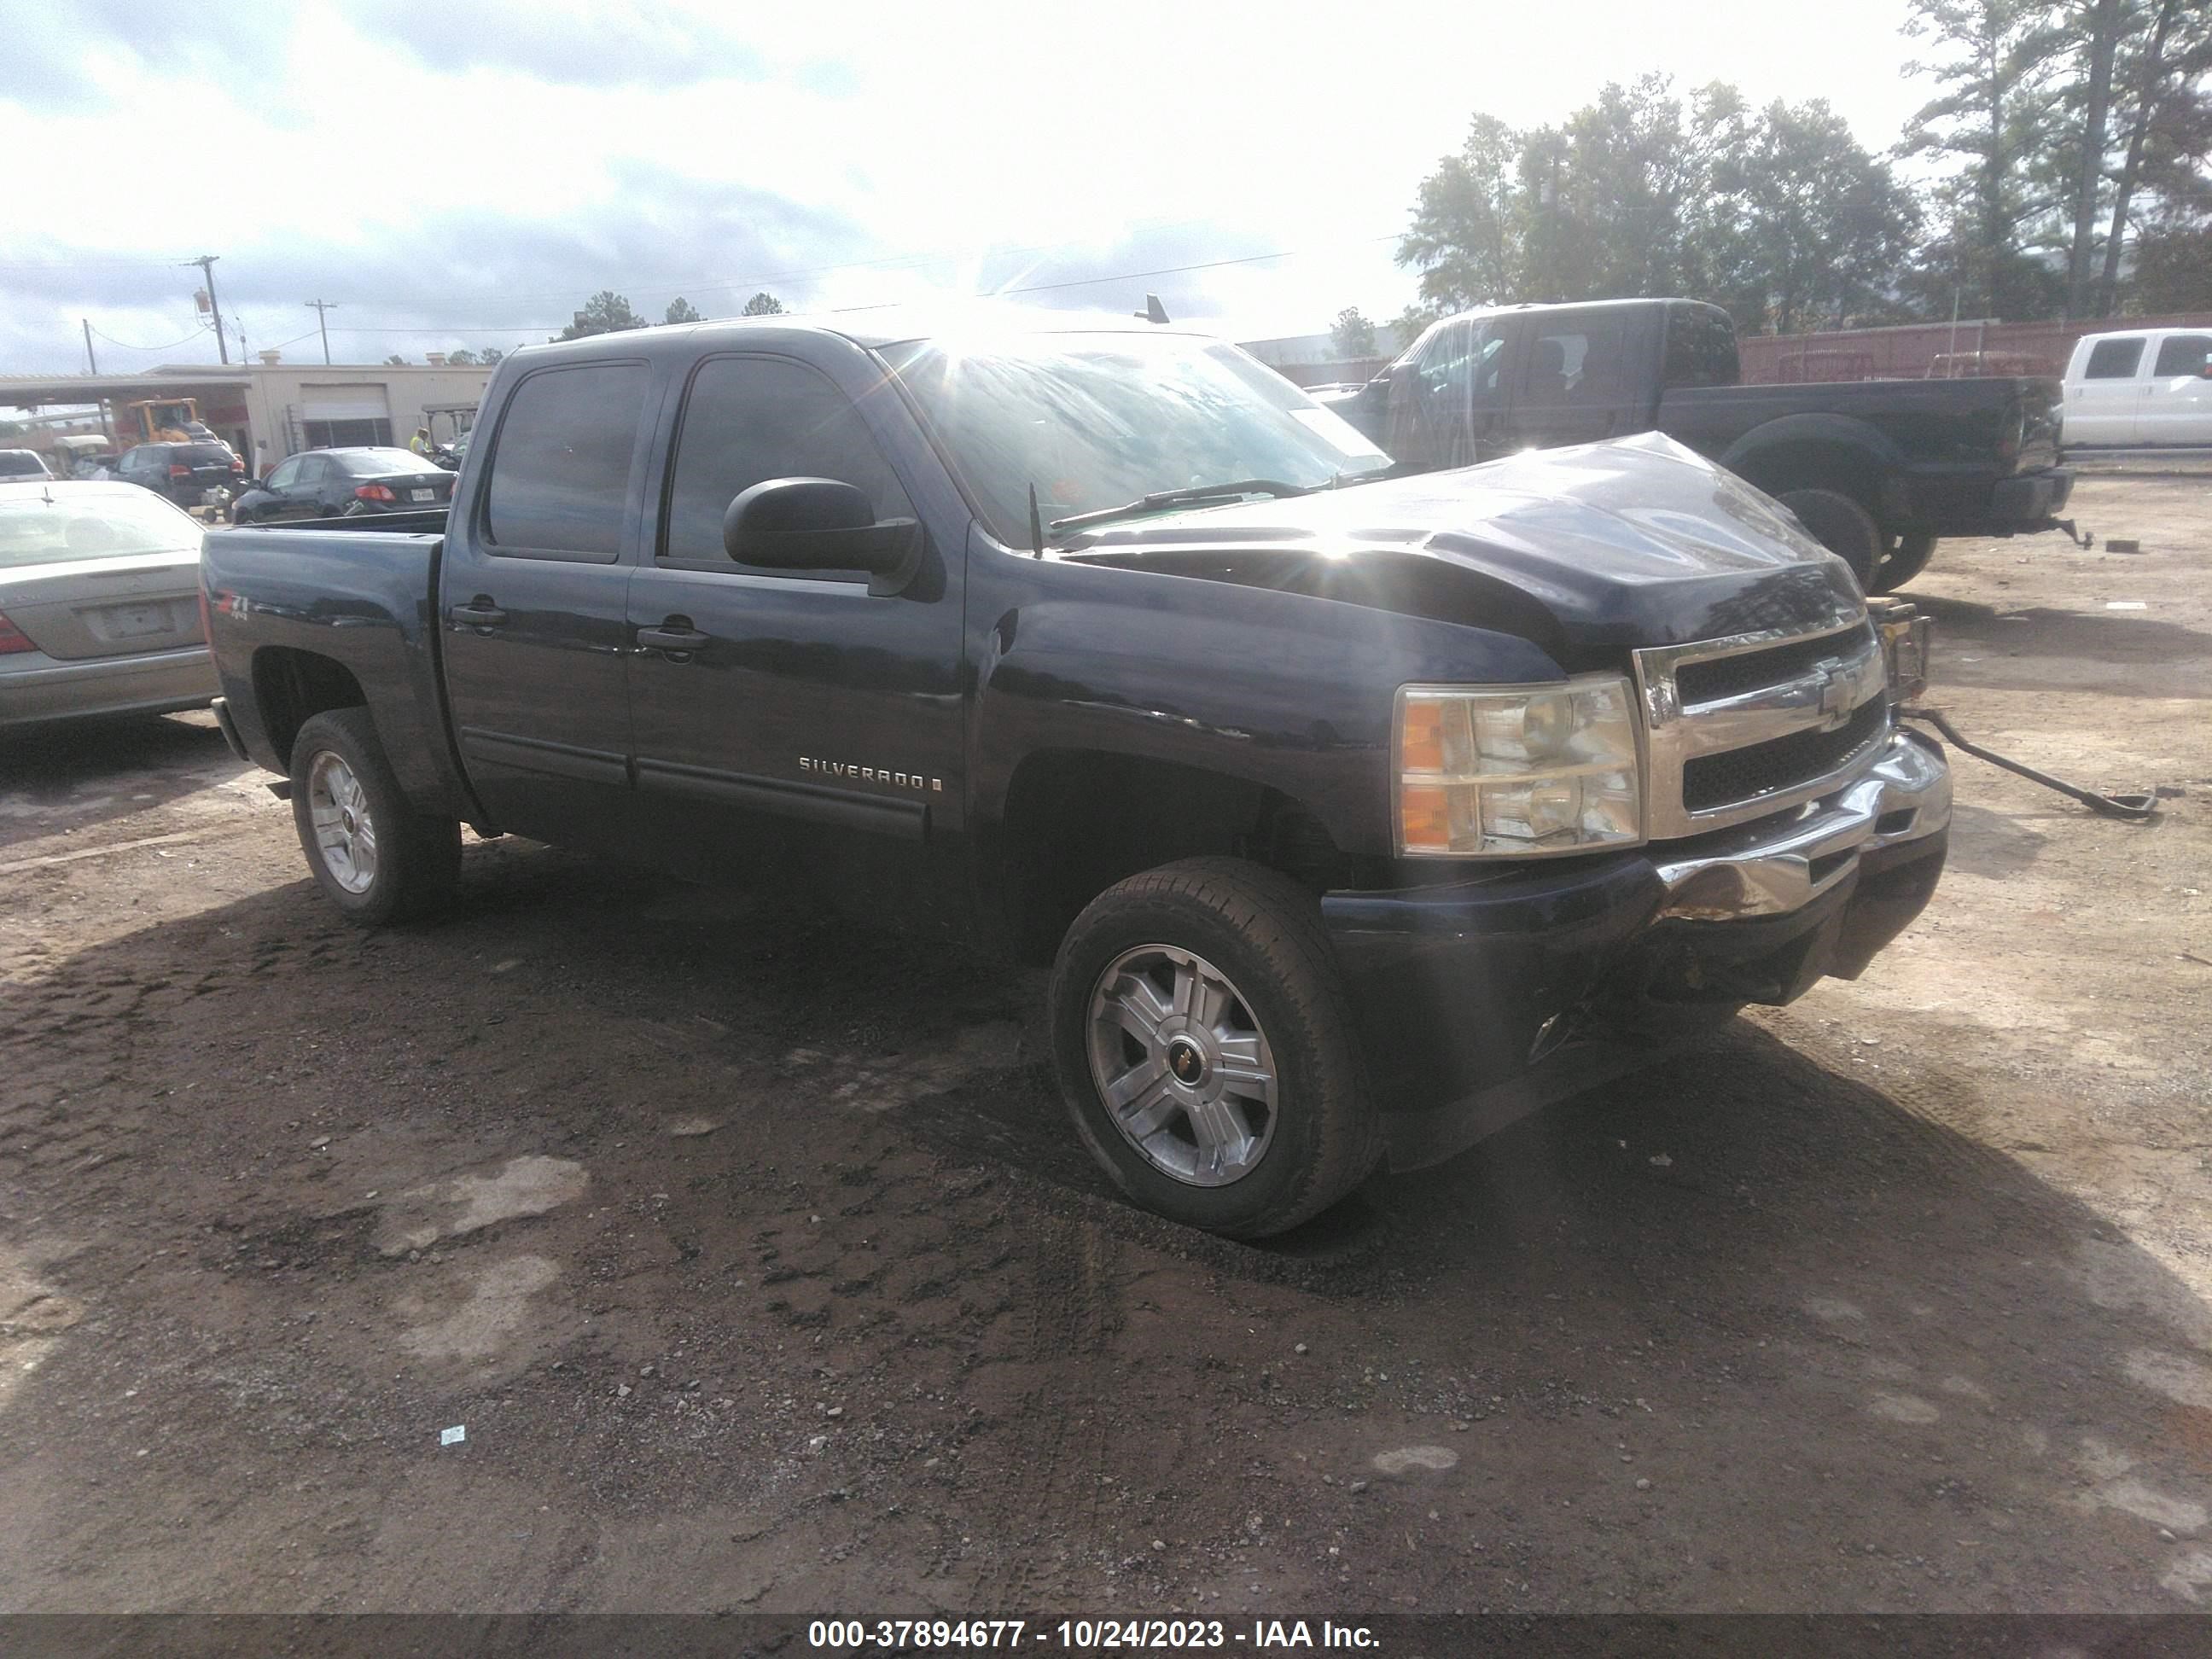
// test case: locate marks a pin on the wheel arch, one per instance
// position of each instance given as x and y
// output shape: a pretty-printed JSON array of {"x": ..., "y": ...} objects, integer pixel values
[
  {"x": 1076, "y": 821},
  {"x": 291, "y": 686},
  {"x": 1820, "y": 451}
]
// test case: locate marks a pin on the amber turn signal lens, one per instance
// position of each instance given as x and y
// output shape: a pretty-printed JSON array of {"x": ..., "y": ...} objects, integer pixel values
[
  {"x": 1421, "y": 744},
  {"x": 1424, "y": 817}
]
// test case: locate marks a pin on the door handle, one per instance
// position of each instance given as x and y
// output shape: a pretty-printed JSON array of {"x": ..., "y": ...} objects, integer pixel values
[
  {"x": 677, "y": 641},
  {"x": 477, "y": 614}
]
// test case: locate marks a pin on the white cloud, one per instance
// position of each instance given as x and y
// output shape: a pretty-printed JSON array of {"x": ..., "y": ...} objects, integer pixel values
[{"x": 442, "y": 164}]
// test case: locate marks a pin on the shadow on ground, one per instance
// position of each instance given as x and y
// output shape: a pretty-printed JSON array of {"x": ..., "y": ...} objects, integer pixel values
[
  {"x": 85, "y": 772},
  {"x": 1750, "y": 1329}
]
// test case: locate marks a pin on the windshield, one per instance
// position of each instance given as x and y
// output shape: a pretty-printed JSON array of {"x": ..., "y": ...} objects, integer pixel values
[
  {"x": 1096, "y": 420},
  {"x": 37, "y": 530}
]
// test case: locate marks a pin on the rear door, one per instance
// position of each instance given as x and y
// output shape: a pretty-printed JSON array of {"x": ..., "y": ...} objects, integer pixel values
[
  {"x": 302, "y": 496},
  {"x": 533, "y": 591},
  {"x": 803, "y": 719},
  {"x": 2176, "y": 400},
  {"x": 1576, "y": 379},
  {"x": 2102, "y": 396}
]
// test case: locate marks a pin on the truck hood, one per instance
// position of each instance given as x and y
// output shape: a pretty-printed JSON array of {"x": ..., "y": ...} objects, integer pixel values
[{"x": 1588, "y": 552}]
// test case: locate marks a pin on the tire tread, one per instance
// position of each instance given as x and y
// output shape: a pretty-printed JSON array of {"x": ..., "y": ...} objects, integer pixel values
[{"x": 1281, "y": 921}]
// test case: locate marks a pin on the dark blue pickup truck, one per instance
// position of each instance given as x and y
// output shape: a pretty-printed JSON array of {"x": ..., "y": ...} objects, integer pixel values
[
  {"x": 1877, "y": 470},
  {"x": 1357, "y": 816}
]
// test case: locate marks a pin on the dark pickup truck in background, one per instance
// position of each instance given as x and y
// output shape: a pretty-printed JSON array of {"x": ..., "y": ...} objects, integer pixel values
[
  {"x": 1876, "y": 469},
  {"x": 1357, "y": 816}
]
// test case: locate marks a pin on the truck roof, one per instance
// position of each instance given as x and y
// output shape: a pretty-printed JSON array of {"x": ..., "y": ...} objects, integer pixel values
[
  {"x": 882, "y": 326},
  {"x": 1571, "y": 307}
]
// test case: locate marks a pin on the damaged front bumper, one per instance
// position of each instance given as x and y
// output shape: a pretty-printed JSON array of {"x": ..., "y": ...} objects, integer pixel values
[{"x": 1481, "y": 998}]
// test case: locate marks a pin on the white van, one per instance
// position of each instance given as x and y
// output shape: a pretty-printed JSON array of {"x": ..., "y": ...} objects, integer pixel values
[{"x": 2144, "y": 386}]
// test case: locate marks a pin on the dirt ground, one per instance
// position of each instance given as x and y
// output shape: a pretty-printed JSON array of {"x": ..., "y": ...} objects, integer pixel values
[{"x": 755, "y": 1258}]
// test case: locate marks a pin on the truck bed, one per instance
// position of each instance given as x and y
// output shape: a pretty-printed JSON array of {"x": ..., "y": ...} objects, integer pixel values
[
  {"x": 1934, "y": 422},
  {"x": 353, "y": 598}
]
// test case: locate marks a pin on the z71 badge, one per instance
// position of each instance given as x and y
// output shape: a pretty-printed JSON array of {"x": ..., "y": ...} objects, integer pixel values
[{"x": 871, "y": 775}]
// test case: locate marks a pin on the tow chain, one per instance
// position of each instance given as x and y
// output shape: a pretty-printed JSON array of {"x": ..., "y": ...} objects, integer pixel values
[{"x": 2128, "y": 809}]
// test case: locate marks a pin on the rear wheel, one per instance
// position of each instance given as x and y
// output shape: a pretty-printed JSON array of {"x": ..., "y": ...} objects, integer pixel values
[
  {"x": 1203, "y": 1048},
  {"x": 372, "y": 855},
  {"x": 1907, "y": 558},
  {"x": 1840, "y": 525}
]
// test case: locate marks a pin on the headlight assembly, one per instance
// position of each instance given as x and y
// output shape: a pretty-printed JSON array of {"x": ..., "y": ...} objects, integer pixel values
[{"x": 1516, "y": 772}]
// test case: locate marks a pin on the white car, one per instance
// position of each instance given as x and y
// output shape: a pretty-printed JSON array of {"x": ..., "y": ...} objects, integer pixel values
[
  {"x": 99, "y": 603},
  {"x": 2141, "y": 385}
]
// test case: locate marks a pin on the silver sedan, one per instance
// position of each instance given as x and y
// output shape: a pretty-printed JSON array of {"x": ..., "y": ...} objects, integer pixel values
[{"x": 99, "y": 605}]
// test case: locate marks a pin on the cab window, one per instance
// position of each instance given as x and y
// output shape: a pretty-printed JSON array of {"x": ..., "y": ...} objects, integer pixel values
[
  {"x": 2183, "y": 354},
  {"x": 749, "y": 419},
  {"x": 561, "y": 472},
  {"x": 2113, "y": 360},
  {"x": 1700, "y": 348}
]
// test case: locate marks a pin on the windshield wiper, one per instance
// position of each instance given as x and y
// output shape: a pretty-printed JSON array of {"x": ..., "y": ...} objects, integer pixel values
[{"x": 1190, "y": 497}]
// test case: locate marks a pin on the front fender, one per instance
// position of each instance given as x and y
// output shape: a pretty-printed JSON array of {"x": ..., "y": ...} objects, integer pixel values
[{"x": 1284, "y": 690}]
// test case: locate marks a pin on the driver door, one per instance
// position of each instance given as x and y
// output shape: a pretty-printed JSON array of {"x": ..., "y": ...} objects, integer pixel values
[
  {"x": 801, "y": 719},
  {"x": 1445, "y": 401}
]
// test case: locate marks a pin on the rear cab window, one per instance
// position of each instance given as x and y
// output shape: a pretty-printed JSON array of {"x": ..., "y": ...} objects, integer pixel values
[
  {"x": 562, "y": 463},
  {"x": 1582, "y": 362},
  {"x": 2113, "y": 360},
  {"x": 1700, "y": 348}
]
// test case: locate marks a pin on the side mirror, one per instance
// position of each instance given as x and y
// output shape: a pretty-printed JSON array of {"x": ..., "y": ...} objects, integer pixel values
[{"x": 820, "y": 524}]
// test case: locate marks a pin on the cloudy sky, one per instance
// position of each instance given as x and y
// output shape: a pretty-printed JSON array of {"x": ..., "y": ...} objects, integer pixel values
[{"x": 464, "y": 172}]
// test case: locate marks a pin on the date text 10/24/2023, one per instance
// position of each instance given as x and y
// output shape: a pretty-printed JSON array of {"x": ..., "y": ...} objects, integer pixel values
[{"x": 1084, "y": 1635}]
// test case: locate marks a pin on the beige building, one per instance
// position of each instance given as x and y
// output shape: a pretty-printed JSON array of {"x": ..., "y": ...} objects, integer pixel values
[{"x": 267, "y": 410}]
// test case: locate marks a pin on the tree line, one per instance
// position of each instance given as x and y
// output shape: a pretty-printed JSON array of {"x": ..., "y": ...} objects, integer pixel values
[
  {"x": 610, "y": 313},
  {"x": 2063, "y": 169}
]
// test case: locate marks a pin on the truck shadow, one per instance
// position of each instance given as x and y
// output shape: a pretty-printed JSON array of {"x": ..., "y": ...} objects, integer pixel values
[
  {"x": 1814, "y": 1313},
  {"x": 2108, "y": 636}
]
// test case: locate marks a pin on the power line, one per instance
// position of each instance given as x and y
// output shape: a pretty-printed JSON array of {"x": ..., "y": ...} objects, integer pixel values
[
  {"x": 127, "y": 346},
  {"x": 1033, "y": 288},
  {"x": 89, "y": 265},
  {"x": 1178, "y": 271}
]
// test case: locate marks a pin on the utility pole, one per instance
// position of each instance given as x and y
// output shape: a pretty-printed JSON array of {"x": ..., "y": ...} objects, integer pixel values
[
  {"x": 206, "y": 263},
  {"x": 91, "y": 363},
  {"x": 321, "y": 308}
]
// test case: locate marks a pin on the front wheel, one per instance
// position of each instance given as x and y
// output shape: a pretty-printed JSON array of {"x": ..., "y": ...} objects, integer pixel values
[
  {"x": 372, "y": 855},
  {"x": 1904, "y": 561},
  {"x": 1840, "y": 525},
  {"x": 1203, "y": 1045}
]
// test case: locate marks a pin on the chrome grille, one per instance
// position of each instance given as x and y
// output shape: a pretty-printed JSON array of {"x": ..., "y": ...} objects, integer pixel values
[
  {"x": 1709, "y": 679},
  {"x": 1766, "y": 769},
  {"x": 1739, "y": 728}
]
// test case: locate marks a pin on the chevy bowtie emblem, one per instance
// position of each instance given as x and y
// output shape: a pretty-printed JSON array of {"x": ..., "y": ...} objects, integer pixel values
[{"x": 1839, "y": 686}]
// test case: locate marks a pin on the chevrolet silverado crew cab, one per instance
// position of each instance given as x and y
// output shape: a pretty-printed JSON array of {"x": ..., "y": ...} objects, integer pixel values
[
  {"x": 1356, "y": 816},
  {"x": 1876, "y": 469}
]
